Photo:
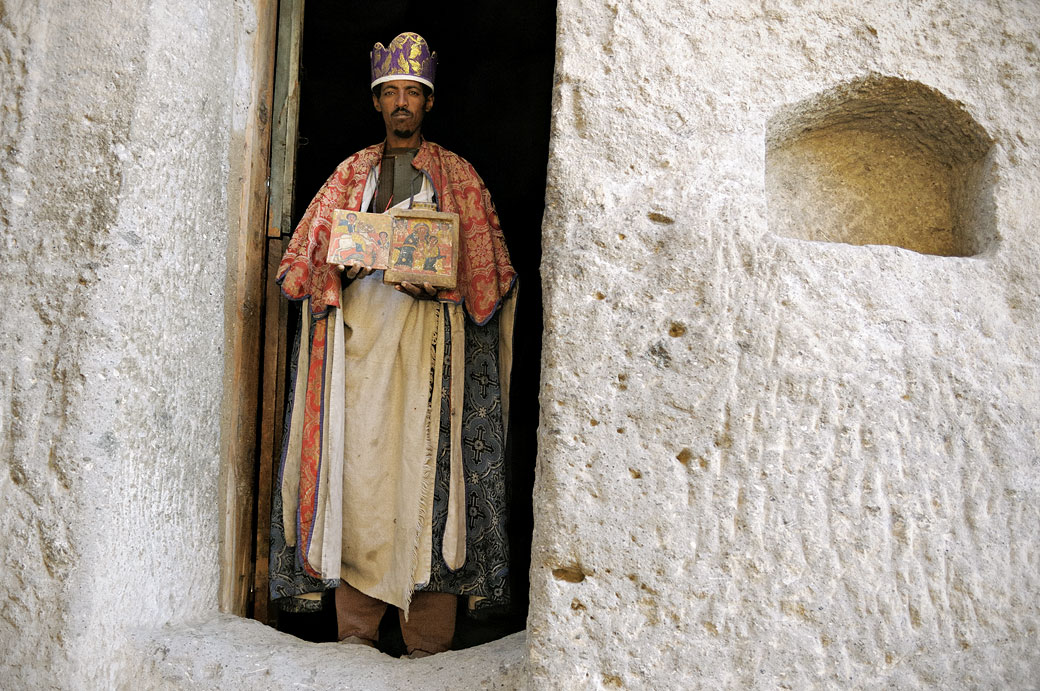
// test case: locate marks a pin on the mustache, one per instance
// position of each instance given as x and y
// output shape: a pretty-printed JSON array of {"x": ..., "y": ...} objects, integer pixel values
[{"x": 402, "y": 109}]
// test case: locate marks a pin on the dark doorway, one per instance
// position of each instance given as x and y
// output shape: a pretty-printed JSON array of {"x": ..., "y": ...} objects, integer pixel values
[{"x": 493, "y": 103}]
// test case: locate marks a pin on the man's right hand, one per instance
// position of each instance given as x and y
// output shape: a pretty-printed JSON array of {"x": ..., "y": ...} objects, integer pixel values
[{"x": 354, "y": 270}]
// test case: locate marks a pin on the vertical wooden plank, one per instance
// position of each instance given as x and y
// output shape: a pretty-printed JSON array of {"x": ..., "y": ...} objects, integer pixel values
[
  {"x": 292, "y": 118},
  {"x": 273, "y": 392},
  {"x": 271, "y": 343},
  {"x": 244, "y": 297},
  {"x": 278, "y": 140},
  {"x": 279, "y": 225}
]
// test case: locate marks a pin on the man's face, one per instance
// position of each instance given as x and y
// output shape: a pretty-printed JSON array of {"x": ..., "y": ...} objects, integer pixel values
[{"x": 403, "y": 106}]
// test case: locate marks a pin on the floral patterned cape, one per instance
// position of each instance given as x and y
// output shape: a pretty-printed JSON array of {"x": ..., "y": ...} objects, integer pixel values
[{"x": 485, "y": 273}]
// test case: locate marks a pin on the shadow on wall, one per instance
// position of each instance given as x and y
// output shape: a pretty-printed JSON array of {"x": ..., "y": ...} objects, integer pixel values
[{"x": 882, "y": 161}]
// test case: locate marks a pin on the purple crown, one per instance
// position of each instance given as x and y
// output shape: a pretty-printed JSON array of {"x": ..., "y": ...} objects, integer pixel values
[{"x": 408, "y": 57}]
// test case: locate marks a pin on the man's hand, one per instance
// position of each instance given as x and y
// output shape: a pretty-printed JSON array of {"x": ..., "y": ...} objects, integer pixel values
[
  {"x": 425, "y": 292},
  {"x": 354, "y": 270}
]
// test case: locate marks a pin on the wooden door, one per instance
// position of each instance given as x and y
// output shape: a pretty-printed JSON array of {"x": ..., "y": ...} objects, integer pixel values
[{"x": 275, "y": 311}]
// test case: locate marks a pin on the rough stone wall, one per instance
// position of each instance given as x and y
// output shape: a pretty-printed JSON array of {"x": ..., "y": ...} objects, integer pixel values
[
  {"x": 766, "y": 462},
  {"x": 114, "y": 154}
]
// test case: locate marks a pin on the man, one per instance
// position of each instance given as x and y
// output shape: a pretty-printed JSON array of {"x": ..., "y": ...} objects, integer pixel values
[{"x": 392, "y": 478}]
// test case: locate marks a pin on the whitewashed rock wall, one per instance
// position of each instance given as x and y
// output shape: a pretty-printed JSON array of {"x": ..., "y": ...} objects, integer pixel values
[
  {"x": 766, "y": 462},
  {"x": 114, "y": 169}
]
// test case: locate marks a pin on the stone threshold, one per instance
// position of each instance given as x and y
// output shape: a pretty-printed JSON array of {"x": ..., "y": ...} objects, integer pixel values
[{"x": 229, "y": 653}]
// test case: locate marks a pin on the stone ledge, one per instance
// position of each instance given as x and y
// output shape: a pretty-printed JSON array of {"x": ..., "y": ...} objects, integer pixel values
[{"x": 230, "y": 653}]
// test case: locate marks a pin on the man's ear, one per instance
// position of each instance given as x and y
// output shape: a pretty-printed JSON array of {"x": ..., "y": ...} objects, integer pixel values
[
  {"x": 429, "y": 102},
  {"x": 375, "y": 102}
]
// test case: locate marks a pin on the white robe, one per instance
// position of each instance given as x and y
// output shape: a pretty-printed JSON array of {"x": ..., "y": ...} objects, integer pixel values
[{"x": 374, "y": 522}]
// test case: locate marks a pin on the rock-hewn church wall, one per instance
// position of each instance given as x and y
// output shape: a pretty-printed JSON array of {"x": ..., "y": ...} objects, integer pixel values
[
  {"x": 114, "y": 215},
  {"x": 769, "y": 459},
  {"x": 790, "y": 415}
]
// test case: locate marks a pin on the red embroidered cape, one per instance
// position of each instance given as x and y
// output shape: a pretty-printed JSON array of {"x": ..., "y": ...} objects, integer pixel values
[{"x": 485, "y": 274}]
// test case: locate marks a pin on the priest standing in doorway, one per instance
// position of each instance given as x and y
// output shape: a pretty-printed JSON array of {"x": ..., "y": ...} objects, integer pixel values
[{"x": 392, "y": 480}]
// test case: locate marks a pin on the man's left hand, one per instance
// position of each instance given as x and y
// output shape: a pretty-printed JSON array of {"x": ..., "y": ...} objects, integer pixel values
[{"x": 423, "y": 292}]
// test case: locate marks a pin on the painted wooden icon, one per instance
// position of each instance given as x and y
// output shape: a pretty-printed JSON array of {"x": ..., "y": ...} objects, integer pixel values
[
  {"x": 360, "y": 237},
  {"x": 423, "y": 247}
]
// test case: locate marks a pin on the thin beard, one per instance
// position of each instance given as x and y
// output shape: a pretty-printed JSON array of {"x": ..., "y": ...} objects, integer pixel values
[{"x": 404, "y": 134}]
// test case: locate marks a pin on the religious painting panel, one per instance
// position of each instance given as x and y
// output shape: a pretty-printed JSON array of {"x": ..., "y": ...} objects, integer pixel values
[
  {"x": 361, "y": 238},
  {"x": 423, "y": 247}
]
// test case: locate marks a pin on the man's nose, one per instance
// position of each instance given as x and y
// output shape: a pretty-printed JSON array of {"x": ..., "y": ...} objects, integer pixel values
[{"x": 401, "y": 100}]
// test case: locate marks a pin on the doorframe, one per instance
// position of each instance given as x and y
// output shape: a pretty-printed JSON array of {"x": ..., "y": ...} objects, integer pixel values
[{"x": 254, "y": 314}]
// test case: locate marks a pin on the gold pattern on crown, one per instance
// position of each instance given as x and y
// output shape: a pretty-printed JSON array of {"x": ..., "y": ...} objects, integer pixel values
[{"x": 408, "y": 55}]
